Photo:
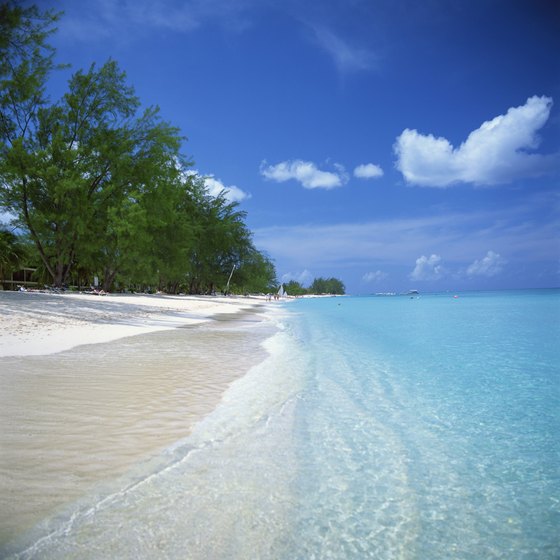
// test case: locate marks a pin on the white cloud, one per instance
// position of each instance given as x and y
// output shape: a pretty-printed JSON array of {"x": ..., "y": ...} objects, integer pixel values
[
  {"x": 368, "y": 171},
  {"x": 494, "y": 153},
  {"x": 346, "y": 57},
  {"x": 306, "y": 173},
  {"x": 398, "y": 242},
  {"x": 490, "y": 265},
  {"x": 6, "y": 217},
  {"x": 427, "y": 268},
  {"x": 232, "y": 193},
  {"x": 216, "y": 186},
  {"x": 131, "y": 19},
  {"x": 374, "y": 276},
  {"x": 304, "y": 278}
]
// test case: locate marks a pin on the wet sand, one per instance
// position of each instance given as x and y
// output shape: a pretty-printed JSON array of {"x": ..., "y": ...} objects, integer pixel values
[{"x": 75, "y": 419}]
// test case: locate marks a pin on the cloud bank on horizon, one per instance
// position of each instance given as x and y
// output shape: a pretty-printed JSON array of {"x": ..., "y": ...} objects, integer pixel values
[
  {"x": 490, "y": 265},
  {"x": 427, "y": 268},
  {"x": 458, "y": 241},
  {"x": 431, "y": 268},
  {"x": 374, "y": 276}
]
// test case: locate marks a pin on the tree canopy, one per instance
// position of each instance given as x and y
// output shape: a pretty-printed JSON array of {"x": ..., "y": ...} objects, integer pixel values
[
  {"x": 319, "y": 286},
  {"x": 327, "y": 286},
  {"x": 100, "y": 186}
]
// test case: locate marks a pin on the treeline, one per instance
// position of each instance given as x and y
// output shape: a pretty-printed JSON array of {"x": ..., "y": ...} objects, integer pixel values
[
  {"x": 319, "y": 286},
  {"x": 99, "y": 187}
]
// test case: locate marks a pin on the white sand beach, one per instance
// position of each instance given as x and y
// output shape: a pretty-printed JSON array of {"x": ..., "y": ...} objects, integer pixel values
[
  {"x": 34, "y": 323},
  {"x": 82, "y": 400}
]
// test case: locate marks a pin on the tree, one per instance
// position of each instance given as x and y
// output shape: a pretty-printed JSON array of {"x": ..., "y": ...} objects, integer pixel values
[
  {"x": 256, "y": 273},
  {"x": 294, "y": 288},
  {"x": 13, "y": 253},
  {"x": 26, "y": 59},
  {"x": 169, "y": 230},
  {"x": 85, "y": 160},
  {"x": 327, "y": 286},
  {"x": 221, "y": 241},
  {"x": 101, "y": 188}
]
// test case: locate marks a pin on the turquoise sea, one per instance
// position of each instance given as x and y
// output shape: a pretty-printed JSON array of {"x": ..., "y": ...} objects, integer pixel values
[{"x": 378, "y": 427}]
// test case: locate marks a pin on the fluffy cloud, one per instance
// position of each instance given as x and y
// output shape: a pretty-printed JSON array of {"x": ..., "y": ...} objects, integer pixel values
[
  {"x": 374, "y": 276},
  {"x": 215, "y": 186},
  {"x": 496, "y": 152},
  {"x": 368, "y": 171},
  {"x": 427, "y": 268},
  {"x": 232, "y": 193},
  {"x": 306, "y": 173},
  {"x": 490, "y": 265}
]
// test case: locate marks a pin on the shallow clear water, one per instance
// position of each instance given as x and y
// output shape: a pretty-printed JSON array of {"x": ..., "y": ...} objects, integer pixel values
[
  {"x": 382, "y": 427},
  {"x": 73, "y": 419}
]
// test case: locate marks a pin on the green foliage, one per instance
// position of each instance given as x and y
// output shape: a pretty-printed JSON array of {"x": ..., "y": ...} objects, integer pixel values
[
  {"x": 100, "y": 187},
  {"x": 327, "y": 286},
  {"x": 295, "y": 288},
  {"x": 14, "y": 253},
  {"x": 26, "y": 60},
  {"x": 319, "y": 286},
  {"x": 256, "y": 274}
]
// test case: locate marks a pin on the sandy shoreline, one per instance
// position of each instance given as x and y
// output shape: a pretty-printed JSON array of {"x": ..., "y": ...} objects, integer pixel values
[
  {"x": 34, "y": 323},
  {"x": 83, "y": 400}
]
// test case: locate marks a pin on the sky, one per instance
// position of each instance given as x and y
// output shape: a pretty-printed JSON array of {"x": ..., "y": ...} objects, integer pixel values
[{"x": 393, "y": 144}]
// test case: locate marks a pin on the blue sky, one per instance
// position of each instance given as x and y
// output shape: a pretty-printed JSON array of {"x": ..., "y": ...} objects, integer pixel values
[{"x": 393, "y": 144}]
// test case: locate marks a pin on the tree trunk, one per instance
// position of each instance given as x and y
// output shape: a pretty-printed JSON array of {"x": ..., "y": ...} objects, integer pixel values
[
  {"x": 34, "y": 235},
  {"x": 58, "y": 278},
  {"x": 108, "y": 279}
]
